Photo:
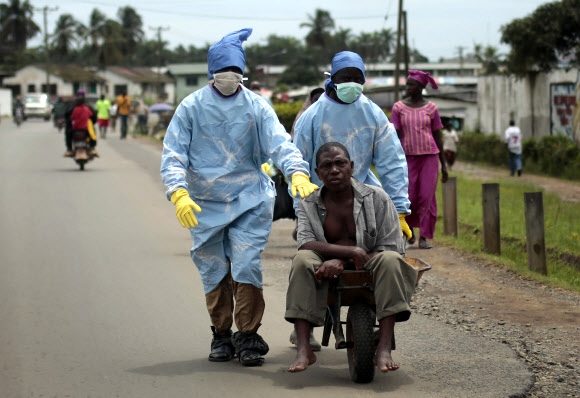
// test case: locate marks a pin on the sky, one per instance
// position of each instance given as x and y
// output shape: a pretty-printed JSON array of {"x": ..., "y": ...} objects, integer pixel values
[{"x": 437, "y": 28}]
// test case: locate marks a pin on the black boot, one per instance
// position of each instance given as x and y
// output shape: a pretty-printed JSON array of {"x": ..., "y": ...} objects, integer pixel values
[
  {"x": 222, "y": 349},
  {"x": 250, "y": 348}
]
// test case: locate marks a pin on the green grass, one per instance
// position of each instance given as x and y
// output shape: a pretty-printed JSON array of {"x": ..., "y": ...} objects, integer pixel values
[{"x": 562, "y": 229}]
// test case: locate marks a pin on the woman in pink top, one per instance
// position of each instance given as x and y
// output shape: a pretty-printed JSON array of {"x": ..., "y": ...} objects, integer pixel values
[{"x": 419, "y": 127}]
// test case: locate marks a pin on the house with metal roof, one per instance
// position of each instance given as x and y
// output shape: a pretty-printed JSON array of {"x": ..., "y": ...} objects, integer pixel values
[
  {"x": 138, "y": 82},
  {"x": 55, "y": 80}
]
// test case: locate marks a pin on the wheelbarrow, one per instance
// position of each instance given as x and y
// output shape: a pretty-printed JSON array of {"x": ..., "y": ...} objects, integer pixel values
[{"x": 354, "y": 289}]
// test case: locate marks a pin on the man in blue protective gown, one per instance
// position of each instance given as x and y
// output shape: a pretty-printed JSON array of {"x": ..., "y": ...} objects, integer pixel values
[
  {"x": 343, "y": 114},
  {"x": 215, "y": 144}
]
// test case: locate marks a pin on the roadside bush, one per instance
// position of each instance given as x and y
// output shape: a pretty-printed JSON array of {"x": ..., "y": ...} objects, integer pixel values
[
  {"x": 487, "y": 148},
  {"x": 287, "y": 113},
  {"x": 557, "y": 156}
]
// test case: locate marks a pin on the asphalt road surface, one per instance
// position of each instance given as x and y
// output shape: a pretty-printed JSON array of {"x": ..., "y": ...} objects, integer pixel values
[{"x": 99, "y": 297}]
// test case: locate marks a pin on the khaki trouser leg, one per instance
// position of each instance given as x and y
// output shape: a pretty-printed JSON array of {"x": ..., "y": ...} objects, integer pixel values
[
  {"x": 220, "y": 305},
  {"x": 250, "y": 307},
  {"x": 306, "y": 297},
  {"x": 394, "y": 281}
]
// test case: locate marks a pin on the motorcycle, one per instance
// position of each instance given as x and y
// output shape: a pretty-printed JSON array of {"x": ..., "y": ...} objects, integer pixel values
[
  {"x": 82, "y": 152},
  {"x": 59, "y": 123}
]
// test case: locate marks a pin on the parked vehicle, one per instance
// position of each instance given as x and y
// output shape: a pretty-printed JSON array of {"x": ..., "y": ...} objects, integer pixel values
[{"x": 37, "y": 105}]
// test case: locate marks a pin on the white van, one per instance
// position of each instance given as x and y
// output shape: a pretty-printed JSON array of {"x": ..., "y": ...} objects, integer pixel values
[{"x": 37, "y": 105}]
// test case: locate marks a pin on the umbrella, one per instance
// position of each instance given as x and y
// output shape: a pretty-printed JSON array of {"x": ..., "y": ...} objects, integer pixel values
[{"x": 160, "y": 107}]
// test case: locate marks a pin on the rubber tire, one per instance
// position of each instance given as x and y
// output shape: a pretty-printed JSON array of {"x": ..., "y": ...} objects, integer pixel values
[
  {"x": 82, "y": 165},
  {"x": 360, "y": 322}
]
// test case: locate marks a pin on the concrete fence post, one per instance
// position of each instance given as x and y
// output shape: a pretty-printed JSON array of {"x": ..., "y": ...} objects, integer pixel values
[
  {"x": 491, "y": 230},
  {"x": 450, "y": 220},
  {"x": 536, "y": 243}
]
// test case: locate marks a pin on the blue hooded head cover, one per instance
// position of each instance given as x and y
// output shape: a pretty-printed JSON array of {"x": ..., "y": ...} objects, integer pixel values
[
  {"x": 228, "y": 52},
  {"x": 347, "y": 59}
]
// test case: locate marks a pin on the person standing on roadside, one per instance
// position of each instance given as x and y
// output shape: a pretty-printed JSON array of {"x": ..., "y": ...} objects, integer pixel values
[
  {"x": 513, "y": 139},
  {"x": 419, "y": 127},
  {"x": 123, "y": 111},
  {"x": 450, "y": 140},
  {"x": 102, "y": 107}
]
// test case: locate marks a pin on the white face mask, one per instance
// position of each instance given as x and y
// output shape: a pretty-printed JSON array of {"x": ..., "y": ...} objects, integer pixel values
[{"x": 227, "y": 83}]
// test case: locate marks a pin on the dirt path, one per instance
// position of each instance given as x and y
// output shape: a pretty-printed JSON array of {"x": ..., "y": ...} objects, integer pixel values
[{"x": 540, "y": 323}]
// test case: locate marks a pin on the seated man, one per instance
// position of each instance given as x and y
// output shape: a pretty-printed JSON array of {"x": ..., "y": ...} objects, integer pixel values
[{"x": 347, "y": 224}]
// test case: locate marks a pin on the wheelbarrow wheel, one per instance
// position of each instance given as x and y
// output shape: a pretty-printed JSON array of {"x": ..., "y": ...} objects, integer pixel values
[{"x": 360, "y": 322}]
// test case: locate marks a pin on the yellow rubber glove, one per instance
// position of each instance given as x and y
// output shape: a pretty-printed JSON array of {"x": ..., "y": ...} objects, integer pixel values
[
  {"x": 184, "y": 207},
  {"x": 301, "y": 184},
  {"x": 404, "y": 226},
  {"x": 266, "y": 168}
]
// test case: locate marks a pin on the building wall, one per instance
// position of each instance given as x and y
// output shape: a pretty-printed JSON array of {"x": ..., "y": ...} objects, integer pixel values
[
  {"x": 5, "y": 102},
  {"x": 526, "y": 100},
  {"x": 31, "y": 75}
]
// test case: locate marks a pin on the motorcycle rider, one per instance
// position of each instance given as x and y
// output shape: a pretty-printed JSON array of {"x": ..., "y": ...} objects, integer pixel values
[
  {"x": 58, "y": 111},
  {"x": 18, "y": 108},
  {"x": 77, "y": 116}
]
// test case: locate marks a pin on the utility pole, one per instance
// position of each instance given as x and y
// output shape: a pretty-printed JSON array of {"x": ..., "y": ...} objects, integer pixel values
[
  {"x": 398, "y": 52},
  {"x": 406, "y": 49},
  {"x": 159, "y": 29},
  {"x": 460, "y": 52},
  {"x": 45, "y": 11}
]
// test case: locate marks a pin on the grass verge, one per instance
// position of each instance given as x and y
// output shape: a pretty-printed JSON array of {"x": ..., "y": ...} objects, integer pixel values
[{"x": 562, "y": 229}]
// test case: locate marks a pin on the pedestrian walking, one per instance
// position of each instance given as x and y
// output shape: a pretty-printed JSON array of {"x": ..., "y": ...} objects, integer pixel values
[{"x": 513, "y": 139}]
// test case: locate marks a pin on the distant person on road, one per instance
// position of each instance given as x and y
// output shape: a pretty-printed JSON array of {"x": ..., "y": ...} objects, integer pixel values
[
  {"x": 123, "y": 112},
  {"x": 450, "y": 140},
  {"x": 77, "y": 117},
  {"x": 419, "y": 127},
  {"x": 333, "y": 235},
  {"x": 216, "y": 142},
  {"x": 103, "y": 107},
  {"x": 513, "y": 139}
]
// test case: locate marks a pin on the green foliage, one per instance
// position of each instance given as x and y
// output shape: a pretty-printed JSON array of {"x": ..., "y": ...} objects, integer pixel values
[
  {"x": 287, "y": 113},
  {"x": 562, "y": 221},
  {"x": 557, "y": 156},
  {"x": 540, "y": 39},
  {"x": 487, "y": 148}
]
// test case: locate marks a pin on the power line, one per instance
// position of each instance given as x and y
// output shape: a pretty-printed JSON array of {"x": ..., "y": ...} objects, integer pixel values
[
  {"x": 45, "y": 11},
  {"x": 159, "y": 29}
]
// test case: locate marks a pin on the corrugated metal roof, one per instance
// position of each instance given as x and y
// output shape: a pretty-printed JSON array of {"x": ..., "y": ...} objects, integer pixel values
[{"x": 72, "y": 73}]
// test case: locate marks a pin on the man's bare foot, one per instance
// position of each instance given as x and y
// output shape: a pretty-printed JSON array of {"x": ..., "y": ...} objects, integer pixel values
[
  {"x": 302, "y": 362},
  {"x": 385, "y": 362}
]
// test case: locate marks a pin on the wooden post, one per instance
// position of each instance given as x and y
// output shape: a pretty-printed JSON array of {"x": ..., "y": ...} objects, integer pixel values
[
  {"x": 490, "y": 203},
  {"x": 536, "y": 243},
  {"x": 450, "y": 221}
]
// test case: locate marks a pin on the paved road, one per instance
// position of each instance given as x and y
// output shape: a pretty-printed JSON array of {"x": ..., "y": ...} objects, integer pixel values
[{"x": 99, "y": 298}]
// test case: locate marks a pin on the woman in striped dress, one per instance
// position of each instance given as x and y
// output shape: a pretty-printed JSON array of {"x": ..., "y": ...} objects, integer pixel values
[{"x": 418, "y": 125}]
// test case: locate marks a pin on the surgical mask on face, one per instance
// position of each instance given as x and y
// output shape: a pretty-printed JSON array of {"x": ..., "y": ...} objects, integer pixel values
[
  {"x": 227, "y": 83},
  {"x": 348, "y": 92}
]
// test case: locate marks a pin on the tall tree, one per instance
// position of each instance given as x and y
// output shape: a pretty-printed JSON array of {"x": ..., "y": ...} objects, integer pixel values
[
  {"x": 132, "y": 29},
  {"x": 489, "y": 58},
  {"x": 542, "y": 39},
  {"x": 319, "y": 38},
  {"x": 67, "y": 34},
  {"x": 16, "y": 28}
]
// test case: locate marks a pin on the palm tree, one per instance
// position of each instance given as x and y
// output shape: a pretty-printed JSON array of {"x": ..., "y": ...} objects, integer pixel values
[
  {"x": 16, "y": 27},
  {"x": 321, "y": 26},
  {"x": 67, "y": 34},
  {"x": 132, "y": 29}
]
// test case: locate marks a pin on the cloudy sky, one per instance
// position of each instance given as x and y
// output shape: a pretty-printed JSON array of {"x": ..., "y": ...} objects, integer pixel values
[{"x": 436, "y": 28}]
